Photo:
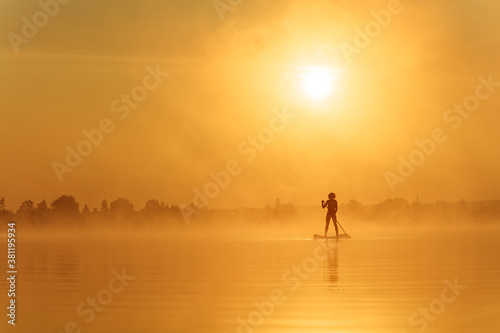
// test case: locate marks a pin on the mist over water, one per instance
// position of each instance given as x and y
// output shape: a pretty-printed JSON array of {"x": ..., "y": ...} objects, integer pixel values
[
  {"x": 261, "y": 280},
  {"x": 409, "y": 267}
]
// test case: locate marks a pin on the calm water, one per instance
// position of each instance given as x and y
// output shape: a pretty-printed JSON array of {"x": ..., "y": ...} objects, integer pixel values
[{"x": 301, "y": 285}]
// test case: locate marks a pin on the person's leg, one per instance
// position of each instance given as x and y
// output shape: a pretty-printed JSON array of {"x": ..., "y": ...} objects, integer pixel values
[{"x": 327, "y": 223}]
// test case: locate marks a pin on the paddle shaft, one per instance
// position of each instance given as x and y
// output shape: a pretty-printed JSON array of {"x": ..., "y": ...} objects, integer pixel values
[{"x": 341, "y": 227}]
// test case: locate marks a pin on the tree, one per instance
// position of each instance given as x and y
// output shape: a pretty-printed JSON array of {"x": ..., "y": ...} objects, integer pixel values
[
  {"x": 152, "y": 206},
  {"x": 85, "y": 210},
  {"x": 27, "y": 208},
  {"x": 121, "y": 206},
  {"x": 354, "y": 205},
  {"x": 4, "y": 213},
  {"x": 353, "y": 209},
  {"x": 42, "y": 207},
  {"x": 66, "y": 205},
  {"x": 42, "y": 210},
  {"x": 104, "y": 206},
  {"x": 277, "y": 203}
]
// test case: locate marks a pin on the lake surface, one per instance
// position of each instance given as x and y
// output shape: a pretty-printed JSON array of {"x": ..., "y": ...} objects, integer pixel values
[{"x": 435, "y": 282}]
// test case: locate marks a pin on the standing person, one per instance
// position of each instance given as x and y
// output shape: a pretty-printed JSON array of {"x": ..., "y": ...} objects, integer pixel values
[{"x": 331, "y": 203}]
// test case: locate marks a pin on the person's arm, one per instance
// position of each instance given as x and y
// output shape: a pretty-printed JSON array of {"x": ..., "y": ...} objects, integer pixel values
[
  {"x": 335, "y": 206},
  {"x": 323, "y": 203}
]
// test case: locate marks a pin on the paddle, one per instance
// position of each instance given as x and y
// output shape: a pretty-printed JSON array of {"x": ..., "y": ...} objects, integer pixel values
[{"x": 343, "y": 229}]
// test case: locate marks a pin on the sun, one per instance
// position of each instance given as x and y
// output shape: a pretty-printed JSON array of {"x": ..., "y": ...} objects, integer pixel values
[{"x": 317, "y": 82}]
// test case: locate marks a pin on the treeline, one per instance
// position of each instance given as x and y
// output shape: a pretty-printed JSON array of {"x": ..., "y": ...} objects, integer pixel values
[
  {"x": 66, "y": 211},
  {"x": 400, "y": 210}
]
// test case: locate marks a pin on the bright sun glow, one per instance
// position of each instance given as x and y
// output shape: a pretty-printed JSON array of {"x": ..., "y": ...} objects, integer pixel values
[{"x": 318, "y": 82}]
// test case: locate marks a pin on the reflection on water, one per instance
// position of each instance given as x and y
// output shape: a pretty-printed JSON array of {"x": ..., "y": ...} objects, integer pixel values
[
  {"x": 361, "y": 285},
  {"x": 332, "y": 265}
]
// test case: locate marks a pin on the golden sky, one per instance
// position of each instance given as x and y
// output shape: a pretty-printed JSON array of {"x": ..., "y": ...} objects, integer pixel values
[{"x": 332, "y": 109}]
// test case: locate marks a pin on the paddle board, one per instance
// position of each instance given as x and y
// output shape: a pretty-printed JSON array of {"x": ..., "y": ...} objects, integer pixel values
[{"x": 341, "y": 236}]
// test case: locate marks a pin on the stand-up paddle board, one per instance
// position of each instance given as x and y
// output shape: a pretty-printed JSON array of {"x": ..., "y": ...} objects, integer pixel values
[{"x": 341, "y": 236}]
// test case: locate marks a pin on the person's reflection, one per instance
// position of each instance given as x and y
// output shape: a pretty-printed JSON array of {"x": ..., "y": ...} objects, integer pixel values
[{"x": 332, "y": 264}]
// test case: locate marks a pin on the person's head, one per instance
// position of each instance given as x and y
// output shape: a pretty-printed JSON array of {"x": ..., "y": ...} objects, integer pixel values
[{"x": 331, "y": 196}]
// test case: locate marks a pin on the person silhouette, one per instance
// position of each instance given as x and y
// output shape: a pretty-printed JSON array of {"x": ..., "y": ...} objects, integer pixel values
[{"x": 331, "y": 203}]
